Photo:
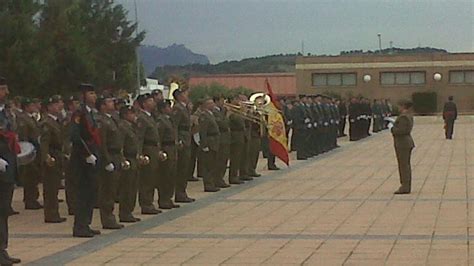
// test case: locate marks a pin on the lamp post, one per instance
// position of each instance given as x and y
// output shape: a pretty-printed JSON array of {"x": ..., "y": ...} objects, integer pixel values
[
  {"x": 137, "y": 54},
  {"x": 380, "y": 42}
]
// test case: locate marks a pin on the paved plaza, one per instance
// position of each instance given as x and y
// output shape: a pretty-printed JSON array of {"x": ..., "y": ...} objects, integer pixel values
[{"x": 336, "y": 209}]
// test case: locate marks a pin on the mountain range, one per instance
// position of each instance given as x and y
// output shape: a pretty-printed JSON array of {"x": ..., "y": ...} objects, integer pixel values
[{"x": 173, "y": 55}]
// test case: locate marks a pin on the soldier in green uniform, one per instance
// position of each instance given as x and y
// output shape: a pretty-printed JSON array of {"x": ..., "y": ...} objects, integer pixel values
[
  {"x": 182, "y": 121},
  {"x": 28, "y": 129},
  {"x": 150, "y": 146},
  {"x": 128, "y": 185},
  {"x": 169, "y": 144},
  {"x": 52, "y": 138},
  {"x": 404, "y": 145},
  {"x": 209, "y": 146},
  {"x": 237, "y": 142},
  {"x": 195, "y": 146},
  {"x": 222, "y": 119},
  {"x": 111, "y": 159},
  {"x": 254, "y": 145}
]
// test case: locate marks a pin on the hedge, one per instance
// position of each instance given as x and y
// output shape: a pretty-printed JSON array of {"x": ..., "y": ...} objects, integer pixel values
[{"x": 425, "y": 102}]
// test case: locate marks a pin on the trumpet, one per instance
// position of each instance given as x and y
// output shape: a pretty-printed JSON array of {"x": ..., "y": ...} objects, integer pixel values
[
  {"x": 244, "y": 111},
  {"x": 50, "y": 160}
]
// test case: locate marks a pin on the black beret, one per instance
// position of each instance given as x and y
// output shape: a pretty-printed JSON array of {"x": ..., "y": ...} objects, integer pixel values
[
  {"x": 84, "y": 87},
  {"x": 73, "y": 98},
  {"x": 3, "y": 81}
]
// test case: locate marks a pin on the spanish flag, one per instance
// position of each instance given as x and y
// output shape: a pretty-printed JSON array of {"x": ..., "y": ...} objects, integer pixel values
[{"x": 276, "y": 128}]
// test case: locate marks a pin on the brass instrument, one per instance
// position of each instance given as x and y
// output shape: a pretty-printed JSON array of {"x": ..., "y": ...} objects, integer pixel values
[
  {"x": 50, "y": 161},
  {"x": 244, "y": 111},
  {"x": 163, "y": 156}
]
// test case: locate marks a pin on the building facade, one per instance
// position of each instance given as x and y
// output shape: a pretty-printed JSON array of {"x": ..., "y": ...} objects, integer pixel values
[
  {"x": 283, "y": 84},
  {"x": 390, "y": 76}
]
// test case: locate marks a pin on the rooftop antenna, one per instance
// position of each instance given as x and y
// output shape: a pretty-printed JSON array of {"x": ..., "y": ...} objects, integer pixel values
[
  {"x": 302, "y": 47},
  {"x": 380, "y": 42}
]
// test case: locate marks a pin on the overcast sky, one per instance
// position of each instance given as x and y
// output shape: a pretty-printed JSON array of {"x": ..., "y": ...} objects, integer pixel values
[{"x": 236, "y": 29}]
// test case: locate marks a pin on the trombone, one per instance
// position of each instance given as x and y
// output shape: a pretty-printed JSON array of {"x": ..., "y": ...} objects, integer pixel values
[{"x": 245, "y": 111}]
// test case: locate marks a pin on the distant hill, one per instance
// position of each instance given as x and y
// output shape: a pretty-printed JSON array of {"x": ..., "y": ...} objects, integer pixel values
[
  {"x": 266, "y": 64},
  {"x": 173, "y": 55}
]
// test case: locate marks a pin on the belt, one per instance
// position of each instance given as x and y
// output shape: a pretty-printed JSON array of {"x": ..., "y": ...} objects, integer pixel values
[
  {"x": 115, "y": 151},
  {"x": 168, "y": 143},
  {"x": 151, "y": 143},
  {"x": 184, "y": 128},
  {"x": 131, "y": 155},
  {"x": 213, "y": 135}
]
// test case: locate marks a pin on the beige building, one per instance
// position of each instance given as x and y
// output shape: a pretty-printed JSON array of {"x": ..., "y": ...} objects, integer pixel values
[{"x": 390, "y": 76}]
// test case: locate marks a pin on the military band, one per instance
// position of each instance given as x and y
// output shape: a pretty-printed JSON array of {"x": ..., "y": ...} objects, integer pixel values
[{"x": 108, "y": 151}]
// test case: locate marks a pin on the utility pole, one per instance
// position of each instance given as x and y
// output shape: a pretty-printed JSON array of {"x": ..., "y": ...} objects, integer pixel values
[
  {"x": 302, "y": 47},
  {"x": 137, "y": 54},
  {"x": 380, "y": 42}
]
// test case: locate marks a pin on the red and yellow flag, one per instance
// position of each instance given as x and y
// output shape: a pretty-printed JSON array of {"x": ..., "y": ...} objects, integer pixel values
[{"x": 276, "y": 128}]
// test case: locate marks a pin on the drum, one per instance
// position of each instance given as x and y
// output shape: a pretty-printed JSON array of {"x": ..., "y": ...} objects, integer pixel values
[{"x": 27, "y": 154}]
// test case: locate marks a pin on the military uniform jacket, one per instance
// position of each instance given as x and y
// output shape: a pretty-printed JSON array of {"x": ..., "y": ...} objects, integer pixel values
[
  {"x": 401, "y": 132},
  {"x": 130, "y": 139},
  {"x": 450, "y": 111},
  {"x": 85, "y": 133},
  {"x": 112, "y": 141},
  {"x": 168, "y": 135},
  {"x": 209, "y": 131},
  {"x": 7, "y": 119},
  {"x": 223, "y": 122},
  {"x": 28, "y": 129},
  {"x": 52, "y": 139},
  {"x": 237, "y": 128},
  {"x": 148, "y": 136},
  {"x": 182, "y": 121}
]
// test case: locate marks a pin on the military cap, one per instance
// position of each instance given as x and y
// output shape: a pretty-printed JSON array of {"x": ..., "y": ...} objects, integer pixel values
[
  {"x": 163, "y": 104},
  {"x": 53, "y": 99},
  {"x": 126, "y": 109},
  {"x": 36, "y": 100},
  {"x": 143, "y": 97},
  {"x": 120, "y": 101},
  {"x": 3, "y": 81},
  {"x": 25, "y": 101},
  {"x": 85, "y": 87},
  {"x": 178, "y": 92},
  {"x": 156, "y": 92},
  {"x": 302, "y": 96},
  {"x": 73, "y": 98}
]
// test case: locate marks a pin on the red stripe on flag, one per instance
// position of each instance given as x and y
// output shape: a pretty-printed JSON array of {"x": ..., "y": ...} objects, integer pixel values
[{"x": 279, "y": 150}]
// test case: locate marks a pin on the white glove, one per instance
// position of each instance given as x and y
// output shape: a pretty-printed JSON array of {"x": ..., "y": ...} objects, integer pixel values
[
  {"x": 91, "y": 159},
  {"x": 205, "y": 149},
  {"x": 3, "y": 165},
  {"x": 307, "y": 120},
  {"x": 315, "y": 124},
  {"x": 326, "y": 124},
  {"x": 390, "y": 126},
  {"x": 110, "y": 167},
  {"x": 309, "y": 126}
]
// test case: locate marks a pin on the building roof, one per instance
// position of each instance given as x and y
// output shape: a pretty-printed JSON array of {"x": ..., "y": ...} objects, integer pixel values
[{"x": 282, "y": 83}]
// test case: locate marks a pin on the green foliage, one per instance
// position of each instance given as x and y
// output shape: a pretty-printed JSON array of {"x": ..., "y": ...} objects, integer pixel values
[
  {"x": 200, "y": 92},
  {"x": 425, "y": 102},
  {"x": 266, "y": 64},
  {"x": 51, "y": 46}
]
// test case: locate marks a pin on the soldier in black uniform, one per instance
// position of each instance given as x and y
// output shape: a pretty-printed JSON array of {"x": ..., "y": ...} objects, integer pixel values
[
  {"x": 8, "y": 151},
  {"x": 84, "y": 157},
  {"x": 341, "y": 105},
  {"x": 450, "y": 114}
]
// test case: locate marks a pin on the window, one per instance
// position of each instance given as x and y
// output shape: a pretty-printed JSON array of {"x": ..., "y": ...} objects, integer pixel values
[
  {"x": 334, "y": 79},
  {"x": 461, "y": 77},
  {"x": 402, "y": 78}
]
